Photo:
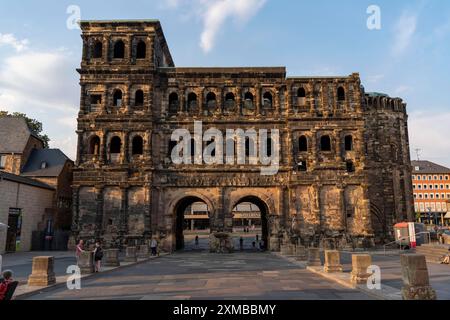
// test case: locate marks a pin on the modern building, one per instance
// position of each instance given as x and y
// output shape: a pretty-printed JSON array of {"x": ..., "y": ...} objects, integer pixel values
[
  {"x": 431, "y": 185},
  {"x": 343, "y": 158},
  {"x": 35, "y": 190}
]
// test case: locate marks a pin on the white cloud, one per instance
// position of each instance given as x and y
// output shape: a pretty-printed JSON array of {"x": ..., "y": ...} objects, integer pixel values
[
  {"x": 429, "y": 132},
  {"x": 217, "y": 12},
  {"x": 44, "y": 86},
  {"x": 404, "y": 33},
  {"x": 10, "y": 40}
]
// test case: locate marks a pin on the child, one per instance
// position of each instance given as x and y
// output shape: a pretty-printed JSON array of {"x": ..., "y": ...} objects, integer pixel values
[{"x": 4, "y": 286}]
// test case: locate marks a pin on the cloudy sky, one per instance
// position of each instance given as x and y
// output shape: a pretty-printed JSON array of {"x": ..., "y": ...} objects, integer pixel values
[{"x": 407, "y": 57}]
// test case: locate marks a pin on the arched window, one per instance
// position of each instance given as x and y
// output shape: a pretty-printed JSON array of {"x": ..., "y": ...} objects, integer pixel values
[
  {"x": 139, "y": 98},
  {"x": 341, "y": 94},
  {"x": 98, "y": 50},
  {"x": 301, "y": 93},
  {"x": 248, "y": 101},
  {"x": 119, "y": 50},
  {"x": 267, "y": 100},
  {"x": 173, "y": 103},
  {"x": 348, "y": 143},
  {"x": 192, "y": 102},
  {"x": 137, "y": 146},
  {"x": 230, "y": 101},
  {"x": 115, "y": 145},
  {"x": 94, "y": 145},
  {"x": 325, "y": 143},
  {"x": 117, "y": 98},
  {"x": 211, "y": 101},
  {"x": 141, "y": 50},
  {"x": 303, "y": 144}
]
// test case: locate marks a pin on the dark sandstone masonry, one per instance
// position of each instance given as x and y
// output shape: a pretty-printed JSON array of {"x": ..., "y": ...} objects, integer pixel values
[{"x": 344, "y": 159}]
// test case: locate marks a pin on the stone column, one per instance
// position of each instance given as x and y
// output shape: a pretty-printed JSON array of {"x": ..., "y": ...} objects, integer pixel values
[
  {"x": 314, "y": 257},
  {"x": 104, "y": 148},
  {"x": 111, "y": 258},
  {"x": 42, "y": 274},
  {"x": 416, "y": 283},
  {"x": 332, "y": 261},
  {"x": 86, "y": 262},
  {"x": 360, "y": 263},
  {"x": 99, "y": 213},
  {"x": 80, "y": 148},
  {"x": 123, "y": 212},
  {"x": 148, "y": 212},
  {"x": 125, "y": 151},
  {"x": 130, "y": 254}
]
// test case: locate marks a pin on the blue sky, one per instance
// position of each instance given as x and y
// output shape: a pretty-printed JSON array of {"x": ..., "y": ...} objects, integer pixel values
[{"x": 407, "y": 57}]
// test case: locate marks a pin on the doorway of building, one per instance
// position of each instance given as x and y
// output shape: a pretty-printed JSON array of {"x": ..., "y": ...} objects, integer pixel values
[
  {"x": 250, "y": 225},
  {"x": 14, "y": 230},
  {"x": 192, "y": 226}
]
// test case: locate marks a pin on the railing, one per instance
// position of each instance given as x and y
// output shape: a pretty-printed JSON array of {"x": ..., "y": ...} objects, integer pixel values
[{"x": 399, "y": 241}]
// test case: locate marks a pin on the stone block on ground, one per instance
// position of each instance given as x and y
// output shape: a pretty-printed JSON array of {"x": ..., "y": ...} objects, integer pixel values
[
  {"x": 416, "y": 282},
  {"x": 130, "y": 254},
  {"x": 111, "y": 258},
  {"x": 314, "y": 257},
  {"x": 43, "y": 272},
  {"x": 300, "y": 253},
  {"x": 144, "y": 251},
  {"x": 86, "y": 262},
  {"x": 332, "y": 261},
  {"x": 360, "y": 263}
]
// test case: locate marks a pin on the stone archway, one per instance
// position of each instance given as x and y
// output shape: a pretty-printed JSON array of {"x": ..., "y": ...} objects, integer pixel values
[
  {"x": 177, "y": 208},
  {"x": 267, "y": 211}
]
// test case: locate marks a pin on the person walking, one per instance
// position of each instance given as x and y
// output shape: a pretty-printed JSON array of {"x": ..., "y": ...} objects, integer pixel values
[
  {"x": 241, "y": 243},
  {"x": 98, "y": 256},
  {"x": 79, "y": 249},
  {"x": 154, "y": 246},
  {"x": 196, "y": 241}
]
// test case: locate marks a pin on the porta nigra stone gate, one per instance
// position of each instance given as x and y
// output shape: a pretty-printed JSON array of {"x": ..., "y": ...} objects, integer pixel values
[{"x": 344, "y": 169}]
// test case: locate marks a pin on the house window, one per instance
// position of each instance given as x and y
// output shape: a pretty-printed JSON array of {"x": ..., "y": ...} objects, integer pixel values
[
  {"x": 348, "y": 143},
  {"x": 117, "y": 99},
  {"x": 325, "y": 143},
  {"x": 341, "y": 94},
  {"x": 302, "y": 166},
  {"x": 173, "y": 103},
  {"x": 141, "y": 50},
  {"x": 303, "y": 144},
  {"x": 44, "y": 165},
  {"x": 139, "y": 98},
  {"x": 267, "y": 100},
  {"x": 119, "y": 50},
  {"x": 94, "y": 145},
  {"x": 137, "y": 146},
  {"x": 98, "y": 50}
]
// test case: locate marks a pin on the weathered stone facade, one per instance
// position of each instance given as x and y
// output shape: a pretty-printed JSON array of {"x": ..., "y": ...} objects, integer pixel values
[{"x": 344, "y": 155}]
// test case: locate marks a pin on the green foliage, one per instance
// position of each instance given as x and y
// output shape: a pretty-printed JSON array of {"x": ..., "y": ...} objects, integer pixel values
[{"x": 34, "y": 125}]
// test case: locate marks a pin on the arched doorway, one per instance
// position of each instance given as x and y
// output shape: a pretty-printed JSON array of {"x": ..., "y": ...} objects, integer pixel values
[
  {"x": 192, "y": 216},
  {"x": 250, "y": 222}
]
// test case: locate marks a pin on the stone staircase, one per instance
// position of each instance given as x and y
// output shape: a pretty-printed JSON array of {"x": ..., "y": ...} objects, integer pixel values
[{"x": 433, "y": 252}]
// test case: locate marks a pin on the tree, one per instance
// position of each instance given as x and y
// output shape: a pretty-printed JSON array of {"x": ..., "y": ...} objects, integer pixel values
[{"x": 34, "y": 125}]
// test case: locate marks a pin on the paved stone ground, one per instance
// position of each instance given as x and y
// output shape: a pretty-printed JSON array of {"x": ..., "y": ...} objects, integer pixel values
[
  {"x": 21, "y": 262},
  {"x": 201, "y": 275},
  {"x": 391, "y": 273}
]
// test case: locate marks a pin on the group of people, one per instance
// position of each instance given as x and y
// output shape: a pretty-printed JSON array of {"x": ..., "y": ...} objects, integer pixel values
[
  {"x": 260, "y": 242},
  {"x": 98, "y": 252}
]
